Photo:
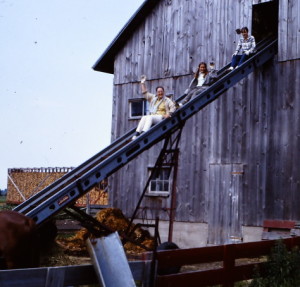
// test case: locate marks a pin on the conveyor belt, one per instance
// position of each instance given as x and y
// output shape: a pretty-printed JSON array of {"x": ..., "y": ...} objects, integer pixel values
[{"x": 65, "y": 191}]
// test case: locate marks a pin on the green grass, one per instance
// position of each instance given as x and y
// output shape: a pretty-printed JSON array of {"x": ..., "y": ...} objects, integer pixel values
[
  {"x": 4, "y": 205},
  {"x": 2, "y": 199}
]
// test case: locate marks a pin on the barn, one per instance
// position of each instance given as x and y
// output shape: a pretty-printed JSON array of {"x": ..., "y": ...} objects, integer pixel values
[{"x": 238, "y": 157}]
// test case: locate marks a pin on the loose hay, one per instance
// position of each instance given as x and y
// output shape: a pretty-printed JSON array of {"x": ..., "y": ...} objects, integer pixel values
[{"x": 114, "y": 219}]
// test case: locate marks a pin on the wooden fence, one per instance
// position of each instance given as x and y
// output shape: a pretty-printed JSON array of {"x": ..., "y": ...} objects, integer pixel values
[{"x": 227, "y": 256}]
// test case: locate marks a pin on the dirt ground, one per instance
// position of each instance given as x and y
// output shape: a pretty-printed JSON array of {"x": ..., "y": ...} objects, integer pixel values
[{"x": 59, "y": 256}]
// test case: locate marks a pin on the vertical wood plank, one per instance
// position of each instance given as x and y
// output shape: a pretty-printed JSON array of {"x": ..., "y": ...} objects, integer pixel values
[{"x": 256, "y": 123}]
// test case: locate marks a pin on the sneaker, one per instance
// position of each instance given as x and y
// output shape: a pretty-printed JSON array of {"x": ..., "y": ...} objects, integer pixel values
[
  {"x": 135, "y": 136},
  {"x": 230, "y": 68}
]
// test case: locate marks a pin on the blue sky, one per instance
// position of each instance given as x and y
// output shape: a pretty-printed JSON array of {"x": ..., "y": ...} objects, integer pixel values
[{"x": 55, "y": 110}]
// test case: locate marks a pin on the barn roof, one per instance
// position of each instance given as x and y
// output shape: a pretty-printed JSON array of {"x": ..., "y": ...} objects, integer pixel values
[{"x": 106, "y": 61}]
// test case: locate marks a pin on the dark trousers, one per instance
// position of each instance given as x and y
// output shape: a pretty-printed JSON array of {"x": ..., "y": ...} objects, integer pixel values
[
  {"x": 237, "y": 60},
  {"x": 193, "y": 93}
]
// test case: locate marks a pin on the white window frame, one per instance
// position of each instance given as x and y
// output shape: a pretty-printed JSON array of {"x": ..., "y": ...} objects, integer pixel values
[
  {"x": 144, "y": 107},
  {"x": 160, "y": 181}
]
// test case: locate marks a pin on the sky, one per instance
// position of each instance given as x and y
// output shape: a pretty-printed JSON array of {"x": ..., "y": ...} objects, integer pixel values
[{"x": 55, "y": 110}]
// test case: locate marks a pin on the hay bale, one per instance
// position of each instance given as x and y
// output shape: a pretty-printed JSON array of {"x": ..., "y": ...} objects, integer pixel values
[{"x": 25, "y": 182}]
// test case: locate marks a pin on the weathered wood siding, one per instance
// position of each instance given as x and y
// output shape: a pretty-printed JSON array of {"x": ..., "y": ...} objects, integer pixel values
[
  {"x": 289, "y": 32},
  {"x": 224, "y": 222},
  {"x": 255, "y": 125},
  {"x": 178, "y": 35}
]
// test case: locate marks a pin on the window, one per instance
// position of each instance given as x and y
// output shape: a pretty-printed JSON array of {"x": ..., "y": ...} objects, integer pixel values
[
  {"x": 160, "y": 182},
  {"x": 137, "y": 108}
]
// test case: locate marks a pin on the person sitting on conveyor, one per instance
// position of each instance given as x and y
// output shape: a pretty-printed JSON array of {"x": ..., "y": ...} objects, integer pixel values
[
  {"x": 160, "y": 107},
  {"x": 244, "y": 48},
  {"x": 201, "y": 81}
]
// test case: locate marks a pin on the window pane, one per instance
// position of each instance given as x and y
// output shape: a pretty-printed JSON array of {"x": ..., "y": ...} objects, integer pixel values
[
  {"x": 166, "y": 185},
  {"x": 159, "y": 185},
  {"x": 152, "y": 185},
  {"x": 165, "y": 174},
  {"x": 137, "y": 109},
  {"x": 146, "y": 108},
  {"x": 160, "y": 180}
]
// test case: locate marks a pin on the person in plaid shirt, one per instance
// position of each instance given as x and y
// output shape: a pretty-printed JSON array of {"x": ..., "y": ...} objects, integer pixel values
[{"x": 245, "y": 47}]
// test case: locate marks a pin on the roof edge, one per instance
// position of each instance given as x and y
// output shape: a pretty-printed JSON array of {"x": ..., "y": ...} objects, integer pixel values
[{"x": 106, "y": 61}]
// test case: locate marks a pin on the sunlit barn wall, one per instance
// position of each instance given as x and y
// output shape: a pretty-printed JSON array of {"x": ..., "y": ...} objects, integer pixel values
[{"x": 239, "y": 156}]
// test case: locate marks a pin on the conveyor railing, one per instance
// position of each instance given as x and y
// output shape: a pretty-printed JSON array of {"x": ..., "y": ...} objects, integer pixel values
[{"x": 79, "y": 181}]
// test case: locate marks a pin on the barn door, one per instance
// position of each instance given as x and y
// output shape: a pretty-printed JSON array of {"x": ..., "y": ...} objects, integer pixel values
[
  {"x": 224, "y": 198},
  {"x": 265, "y": 20}
]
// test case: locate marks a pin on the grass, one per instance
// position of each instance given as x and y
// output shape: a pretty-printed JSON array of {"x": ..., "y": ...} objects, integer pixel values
[
  {"x": 2, "y": 199},
  {"x": 4, "y": 205}
]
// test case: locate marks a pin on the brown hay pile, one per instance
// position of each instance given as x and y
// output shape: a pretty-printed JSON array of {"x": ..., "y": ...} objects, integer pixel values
[{"x": 114, "y": 219}]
